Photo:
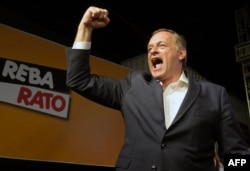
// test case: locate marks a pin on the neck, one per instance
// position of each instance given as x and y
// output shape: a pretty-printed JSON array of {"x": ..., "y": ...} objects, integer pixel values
[{"x": 170, "y": 80}]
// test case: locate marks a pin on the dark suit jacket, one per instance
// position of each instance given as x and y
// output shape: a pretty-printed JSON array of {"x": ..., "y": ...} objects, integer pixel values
[{"x": 205, "y": 116}]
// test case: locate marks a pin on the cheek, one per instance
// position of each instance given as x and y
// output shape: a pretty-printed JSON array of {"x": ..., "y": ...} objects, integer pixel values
[
  {"x": 149, "y": 63},
  {"x": 172, "y": 59}
]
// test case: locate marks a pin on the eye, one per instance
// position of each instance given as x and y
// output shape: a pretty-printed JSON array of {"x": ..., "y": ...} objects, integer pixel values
[
  {"x": 162, "y": 45},
  {"x": 149, "y": 48}
]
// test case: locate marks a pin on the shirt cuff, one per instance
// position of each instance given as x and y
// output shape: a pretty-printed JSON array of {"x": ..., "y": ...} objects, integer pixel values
[{"x": 81, "y": 45}]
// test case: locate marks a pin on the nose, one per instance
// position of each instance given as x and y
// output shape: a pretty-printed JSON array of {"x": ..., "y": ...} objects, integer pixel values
[{"x": 153, "y": 50}]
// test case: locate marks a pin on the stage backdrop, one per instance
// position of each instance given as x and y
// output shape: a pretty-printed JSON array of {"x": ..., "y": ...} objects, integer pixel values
[{"x": 40, "y": 118}]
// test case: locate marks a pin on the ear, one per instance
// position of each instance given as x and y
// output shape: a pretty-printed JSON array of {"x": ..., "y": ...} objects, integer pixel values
[{"x": 183, "y": 54}]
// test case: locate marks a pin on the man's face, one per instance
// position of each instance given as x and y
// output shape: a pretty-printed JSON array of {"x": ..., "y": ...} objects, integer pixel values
[{"x": 164, "y": 58}]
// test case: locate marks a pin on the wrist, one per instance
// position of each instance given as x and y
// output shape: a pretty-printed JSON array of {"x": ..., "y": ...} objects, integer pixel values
[{"x": 83, "y": 34}]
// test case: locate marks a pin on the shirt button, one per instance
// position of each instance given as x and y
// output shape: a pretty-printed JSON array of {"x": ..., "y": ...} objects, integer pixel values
[
  {"x": 163, "y": 146},
  {"x": 154, "y": 168}
]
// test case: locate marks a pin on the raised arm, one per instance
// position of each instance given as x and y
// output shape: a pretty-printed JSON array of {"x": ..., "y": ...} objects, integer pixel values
[{"x": 101, "y": 89}]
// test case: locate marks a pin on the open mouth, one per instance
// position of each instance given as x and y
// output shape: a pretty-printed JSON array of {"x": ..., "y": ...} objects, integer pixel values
[{"x": 157, "y": 62}]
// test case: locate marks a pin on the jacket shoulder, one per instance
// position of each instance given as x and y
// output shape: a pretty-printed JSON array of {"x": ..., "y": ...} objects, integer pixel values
[{"x": 138, "y": 74}]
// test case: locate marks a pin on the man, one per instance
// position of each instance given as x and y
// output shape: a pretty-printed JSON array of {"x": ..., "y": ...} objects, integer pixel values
[{"x": 171, "y": 120}]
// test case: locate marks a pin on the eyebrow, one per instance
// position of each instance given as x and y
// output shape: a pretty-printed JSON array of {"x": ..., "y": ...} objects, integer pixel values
[{"x": 157, "y": 43}]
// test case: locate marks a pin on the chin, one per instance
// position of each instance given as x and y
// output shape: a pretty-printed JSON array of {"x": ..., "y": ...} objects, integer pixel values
[{"x": 156, "y": 76}]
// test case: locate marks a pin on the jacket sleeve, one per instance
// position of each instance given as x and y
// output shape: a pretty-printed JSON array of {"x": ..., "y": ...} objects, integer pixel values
[
  {"x": 231, "y": 138},
  {"x": 104, "y": 90}
]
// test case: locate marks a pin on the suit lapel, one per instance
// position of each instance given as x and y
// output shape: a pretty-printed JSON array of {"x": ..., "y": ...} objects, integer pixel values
[
  {"x": 192, "y": 93},
  {"x": 159, "y": 112}
]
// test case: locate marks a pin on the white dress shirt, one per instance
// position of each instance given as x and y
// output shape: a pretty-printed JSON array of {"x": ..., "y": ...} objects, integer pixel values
[
  {"x": 81, "y": 45},
  {"x": 173, "y": 96}
]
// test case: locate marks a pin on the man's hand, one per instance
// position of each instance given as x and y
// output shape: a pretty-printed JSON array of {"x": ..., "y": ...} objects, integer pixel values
[{"x": 93, "y": 17}]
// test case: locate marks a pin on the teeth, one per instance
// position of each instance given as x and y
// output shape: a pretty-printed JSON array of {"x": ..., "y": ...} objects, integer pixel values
[
  {"x": 157, "y": 65},
  {"x": 156, "y": 62}
]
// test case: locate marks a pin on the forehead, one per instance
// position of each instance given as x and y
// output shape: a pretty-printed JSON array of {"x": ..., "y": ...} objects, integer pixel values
[{"x": 162, "y": 36}]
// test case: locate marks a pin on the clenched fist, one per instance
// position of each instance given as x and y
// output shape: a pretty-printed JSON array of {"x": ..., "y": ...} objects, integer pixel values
[{"x": 94, "y": 17}]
